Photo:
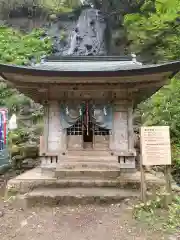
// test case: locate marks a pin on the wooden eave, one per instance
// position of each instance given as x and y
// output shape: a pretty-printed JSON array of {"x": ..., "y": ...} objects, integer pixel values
[
  {"x": 173, "y": 67},
  {"x": 139, "y": 83}
]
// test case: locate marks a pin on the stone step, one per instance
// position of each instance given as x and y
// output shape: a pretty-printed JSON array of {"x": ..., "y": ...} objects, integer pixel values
[
  {"x": 91, "y": 165},
  {"x": 89, "y": 183},
  {"x": 89, "y": 153},
  {"x": 81, "y": 172},
  {"x": 95, "y": 160},
  {"x": 33, "y": 179},
  {"x": 27, "y": 185},
  {"x": 89, "y": 158},
  {"x": 73, "y": 196}
]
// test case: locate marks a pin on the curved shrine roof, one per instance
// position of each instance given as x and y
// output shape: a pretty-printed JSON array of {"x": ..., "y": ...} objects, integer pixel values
[
  {"x": 109, "y": 74},
  {"x": 83, "y": 67}
]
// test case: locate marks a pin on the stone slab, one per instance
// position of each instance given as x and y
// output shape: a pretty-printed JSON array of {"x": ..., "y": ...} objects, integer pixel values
[
  {"x": 82, "y": 172},
  {"x": 90, "y": 164},
  {"x": 71, "y": 196}
]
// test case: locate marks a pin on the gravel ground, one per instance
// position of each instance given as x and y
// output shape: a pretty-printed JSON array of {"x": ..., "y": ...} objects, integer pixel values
[{"x": 89, "y": 222}]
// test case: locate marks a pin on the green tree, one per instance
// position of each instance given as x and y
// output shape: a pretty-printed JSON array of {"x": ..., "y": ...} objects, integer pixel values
[
  {"x": 154, "y": 32},
  {"x": 20, "y": 49}
]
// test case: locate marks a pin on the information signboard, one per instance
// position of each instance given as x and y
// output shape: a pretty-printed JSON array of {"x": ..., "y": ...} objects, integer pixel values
[{"x": 155, "y": 146}]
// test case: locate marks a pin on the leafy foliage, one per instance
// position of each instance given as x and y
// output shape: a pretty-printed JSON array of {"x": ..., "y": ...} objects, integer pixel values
[
  {"x": 155, "y": 31},
  {"x": 23, "y": 142},
  {"x": 22, "y": 49},
  {"x": 19, "y": 49},
  {"x": 163, "y": 108},
  {"x": 36, "y": 7},
  {"x": 157, "y": 215},
  {"x": 11, "y": 99}
]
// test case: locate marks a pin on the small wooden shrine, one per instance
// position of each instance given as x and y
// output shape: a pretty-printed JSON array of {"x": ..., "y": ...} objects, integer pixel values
[{"x": 89, "y": 104}]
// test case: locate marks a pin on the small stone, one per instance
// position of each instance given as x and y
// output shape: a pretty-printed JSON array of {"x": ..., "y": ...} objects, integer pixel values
[
  {"x": 14, "y": 235},
  {"x": 24, "y": 223},
  {"x": 126, "y": 200},
  {"x": 172, "y": 238},
  {"x": 33, "y": 226},
  {"x": 53, "y": 17},
  {"x": 129, "y": 208},
  {"x": 100, "y": 222}
]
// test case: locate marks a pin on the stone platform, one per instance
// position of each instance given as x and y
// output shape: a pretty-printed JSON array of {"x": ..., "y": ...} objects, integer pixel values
[
  {"x": 34, "y": 179},
  {"x": 94, "y": 164},
  {"x": 32, "y": 187}
]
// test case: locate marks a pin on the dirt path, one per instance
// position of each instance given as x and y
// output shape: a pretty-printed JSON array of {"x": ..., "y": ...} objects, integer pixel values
[{"x": 112, "y": 222}]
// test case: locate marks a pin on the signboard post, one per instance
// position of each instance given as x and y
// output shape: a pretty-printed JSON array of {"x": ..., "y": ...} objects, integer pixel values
[{"x": 155, "y": 150}]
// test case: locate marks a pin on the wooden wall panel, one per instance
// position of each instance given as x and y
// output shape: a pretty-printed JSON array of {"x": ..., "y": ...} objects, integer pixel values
[
  {"x": 74, "y": 142},
  {"x": 101, "y": 142},
  {"x": 120, "y": 131}
]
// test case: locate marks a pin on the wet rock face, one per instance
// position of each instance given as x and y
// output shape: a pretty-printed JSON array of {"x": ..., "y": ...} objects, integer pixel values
[
  {"x": 88, "y": 38},
  {"x": 85, "y": 36}
]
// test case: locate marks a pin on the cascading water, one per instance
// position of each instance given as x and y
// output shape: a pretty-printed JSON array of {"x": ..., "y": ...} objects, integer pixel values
[
  {"x": 84, "y": 37},
  {"x": 88, "y": 36}
]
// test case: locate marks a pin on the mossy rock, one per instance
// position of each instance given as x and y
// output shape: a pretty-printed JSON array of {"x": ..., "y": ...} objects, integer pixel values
[
  {"x": 14, "y": 137},
  {"x": 53, "y": 17},
  {"x": 18, "y": 158},
  {"x": 29, "y": 150},
  {"x": 15, "y": 150},
  {"x": 17, "y": 161},
  {"x": 38, "y": 129}
]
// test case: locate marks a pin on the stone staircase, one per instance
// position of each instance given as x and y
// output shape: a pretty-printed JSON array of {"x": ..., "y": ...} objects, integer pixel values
[
  {"x": 81, "y": 178},
  {"x": 88, "y": 164}
]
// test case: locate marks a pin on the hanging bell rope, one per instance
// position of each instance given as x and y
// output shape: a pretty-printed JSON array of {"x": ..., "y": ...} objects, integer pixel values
[
  {"x": 80, "y": 112},
  {"x": 67, "y": 110},
  {"x": 105, "y": 111},
  {"x": 87, "y": 119}
]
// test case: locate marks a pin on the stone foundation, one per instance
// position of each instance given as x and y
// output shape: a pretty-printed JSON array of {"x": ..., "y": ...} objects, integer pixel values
[
  {"x": 33, "y": 179},
  {"x": 34, "y": 188}
]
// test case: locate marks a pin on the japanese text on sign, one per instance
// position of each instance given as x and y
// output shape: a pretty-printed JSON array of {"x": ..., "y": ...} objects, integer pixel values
[{"x": 155, "y": 145}]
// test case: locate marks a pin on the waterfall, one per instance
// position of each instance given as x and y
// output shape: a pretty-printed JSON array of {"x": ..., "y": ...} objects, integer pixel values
[{"x": 88, "y": 36}]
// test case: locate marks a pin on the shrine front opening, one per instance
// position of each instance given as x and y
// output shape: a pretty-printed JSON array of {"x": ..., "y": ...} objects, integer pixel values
[{"x": 91, "y": 130}]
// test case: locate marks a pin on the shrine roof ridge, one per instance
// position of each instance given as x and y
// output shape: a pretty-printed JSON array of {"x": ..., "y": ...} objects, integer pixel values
[
  {"x": 91, "y": 68},
  {"x": 70, "y": 58}
]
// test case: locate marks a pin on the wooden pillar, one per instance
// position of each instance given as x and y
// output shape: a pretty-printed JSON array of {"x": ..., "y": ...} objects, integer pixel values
[
  {"x": 57, "y": 135},
  {"x": 123, "y": 141},
  {"x": 130, "y": 129},
  {"x": 46, "y": 127},
  {"x": 119, "y": 140}
]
